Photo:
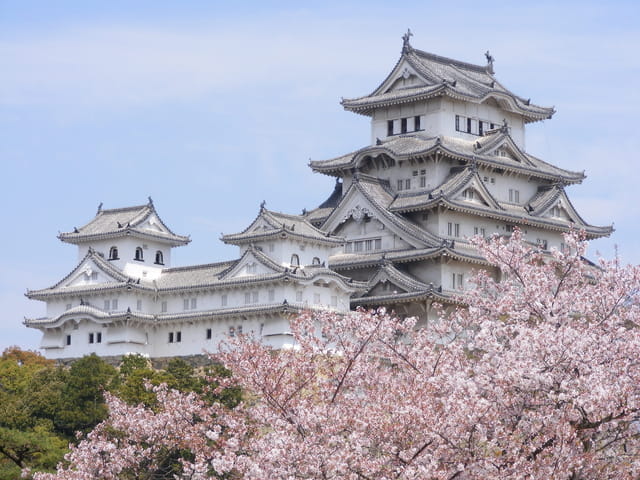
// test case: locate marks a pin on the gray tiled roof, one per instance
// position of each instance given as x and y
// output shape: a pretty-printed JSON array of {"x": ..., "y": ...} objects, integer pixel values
[
  {"x": 348, "y": 261},
  {"x": 446, "y": 77},
  {"x": 280, "y": 225},
  {"x": 381, "y": 197},
  {"x": 415, "y": 145},
  {"x": 199, "y": 277},
  {"x": 119, "y": 222},
  {"x": 526, "y": 214}
]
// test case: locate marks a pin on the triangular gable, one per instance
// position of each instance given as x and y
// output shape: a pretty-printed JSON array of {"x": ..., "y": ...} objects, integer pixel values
[
  {"x": 403, "y": 77},
  {"x": 474, "y": 192},
  {"x": 503, "y": 147},
  {"x": 253, "y": 262},
  {"x": 154, "y": 224},
  {"x": 389, "y": 280},
  {"x": 358, "y": 204},
  {"x": 559, "y": 207},
  {"x": 92, "y": 269}
]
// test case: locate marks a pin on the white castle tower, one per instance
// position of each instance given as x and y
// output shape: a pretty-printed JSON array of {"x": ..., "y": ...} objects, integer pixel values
[{"x": 447, "y": 161}]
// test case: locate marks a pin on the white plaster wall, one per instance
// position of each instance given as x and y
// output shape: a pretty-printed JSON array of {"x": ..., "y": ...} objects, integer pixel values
[{"x": 126, "y": 251}]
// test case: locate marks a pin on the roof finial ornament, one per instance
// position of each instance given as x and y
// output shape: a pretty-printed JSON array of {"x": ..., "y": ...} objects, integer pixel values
[
  {"x": 100, "y": 207},
  {"x": 405, "y": 40},
  {"x": 489, "y": 61},
  {"x": 262, "y": 204},
  {"x": 150, "y": 200}
]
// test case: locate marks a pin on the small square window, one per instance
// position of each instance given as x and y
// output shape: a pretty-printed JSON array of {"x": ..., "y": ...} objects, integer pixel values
[
  {"x": 334, "y": 300},
  {"x": 114, "y": 304},
  {"x": 223, "y": 300},
  {"x": 247, "y": 297},
  {"x": 403, "y": 125},
  {"x": 99, "y": 337},
  {"x": 178, "y": 336},
  {"x": 407, "y": 184},
  {"x": 194, "y": 303},
  {"x": 272, "y": 295},
  {"x": 208, "y": 334},
  {"x": 255, "y": 296},
  {"x": 138, "y": 305},
  {"x": 400, "y": 185},
  {"x": 91, "y": 338},
  {"x": 389, "y": 128},
  {"x": 316, "y": 298},
  {"x": 416, "y": 123},
  {"x": 170, "y": 337},
  {"x": 163, "y": 306},
  {"x": 94, "y": 275},
  {"x": 67, "y": 306},
  {"x": 107, "y": 305},
  {"x": 68, "y": 340},
  {"x": 185, "y": 304},
  {"x": 299, "y": 296}
]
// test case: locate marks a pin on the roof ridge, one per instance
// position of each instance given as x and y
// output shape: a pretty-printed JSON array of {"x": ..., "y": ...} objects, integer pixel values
[
  {"x": 198, "y": 266},
  {"x": 451, "y": 61}
]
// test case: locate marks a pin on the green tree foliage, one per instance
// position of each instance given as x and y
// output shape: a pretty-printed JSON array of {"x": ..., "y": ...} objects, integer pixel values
[
  {"x": 30, "y": 393},
  {"x": 83, "y": 405}
]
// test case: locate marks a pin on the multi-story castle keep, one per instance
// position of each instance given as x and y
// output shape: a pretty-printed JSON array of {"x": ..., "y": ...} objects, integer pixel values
[{"x": 447, "y": 161}]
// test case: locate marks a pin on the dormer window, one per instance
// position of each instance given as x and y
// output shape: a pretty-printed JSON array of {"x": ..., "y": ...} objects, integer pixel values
[
  {"x": 315, "y": 261},
  {"x": 295, "y": 260},
  {"x": 159, "y": 258},
  {"x": 113, "y": 253},
  {"x": 139, "y": 256}
]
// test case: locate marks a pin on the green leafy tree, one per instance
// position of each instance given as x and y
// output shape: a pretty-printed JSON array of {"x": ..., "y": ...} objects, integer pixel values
[
  {"x": 30, "y": 393},
  {"x": 83, "y": 405}
]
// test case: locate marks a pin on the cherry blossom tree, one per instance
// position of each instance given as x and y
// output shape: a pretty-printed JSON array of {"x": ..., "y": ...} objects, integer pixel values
[{"x": 538, "y": 377}]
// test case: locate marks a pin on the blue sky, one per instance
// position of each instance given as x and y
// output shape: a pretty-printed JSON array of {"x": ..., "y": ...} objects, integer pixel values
[{"x": 212, "y": 107}]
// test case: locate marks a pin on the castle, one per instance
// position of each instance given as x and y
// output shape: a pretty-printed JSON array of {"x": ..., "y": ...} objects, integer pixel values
[{"x": 447, "y": 161}]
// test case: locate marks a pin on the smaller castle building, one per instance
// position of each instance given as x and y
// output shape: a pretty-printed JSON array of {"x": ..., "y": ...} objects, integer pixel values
[{"x": 123, "y": 296}]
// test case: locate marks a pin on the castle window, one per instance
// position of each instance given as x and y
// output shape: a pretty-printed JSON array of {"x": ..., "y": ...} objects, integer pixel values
[
  {"x": 514, "y": 195},
  {"x": 68, "y": 340},
  {"x": 316, "y": 298},
  {"x": 94, "y": 275},
  {"x": 400, "y": 184},
  {"x": 389, "y": 128},
  {"x": 272, "y": 295},
  {"x": 334, "y": 300},
  {"x": 138, "y": 305},
  {"x": 163, "y": 306},
  {"x": 403, "y": 125},
  {"x": 315, "y": 261},
  {"x": 107, "y": 304},
  {"x": 416, "y": 123},
  {"x": 555, "y": 212},
  {"x": 299, "y": 296},
  {"x": 139, "y": 255},
  {"x": 159, "y": 258},
  {"x": 223, "y": 300},
  {"x": 295, "y": 260},
  {"x": 255, "y": 296},
  {"x": 91, "y": 338},
  {"x": 423, "y": 181},
  {"x": 407, "y": 184},
  {"x": 113, "y": 253},
  {"x": 252, "y": 268},
  {"x": 232, "y": 331},
  {"x": 247, "y": 297},
  {"x": 178, "y": 336},
  {"x": 208, "y": 334}
]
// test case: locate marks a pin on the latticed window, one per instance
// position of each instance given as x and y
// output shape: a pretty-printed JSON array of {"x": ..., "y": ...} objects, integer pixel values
[
  {"x": 113, "y": 253},
  {"x": 139, "y": 256}
]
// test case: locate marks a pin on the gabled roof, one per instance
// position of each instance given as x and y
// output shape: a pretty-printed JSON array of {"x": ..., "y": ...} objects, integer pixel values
[
  {"x": 271, "y": 225},
  {"x": 388, "y": 272},
  {"x": 459, "y": 180},
  {"x": 433, "y": 75},
  {"x": 349, "y": 261},
  {"x": 139, "y": 221},
  {"x": 91, "y": 259},
  {"x": 480, "y": 150},
  {"x": 447, "y": 195},
  {"x": 252, "y": 253},
  {"x": 377, "y": 196}
]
